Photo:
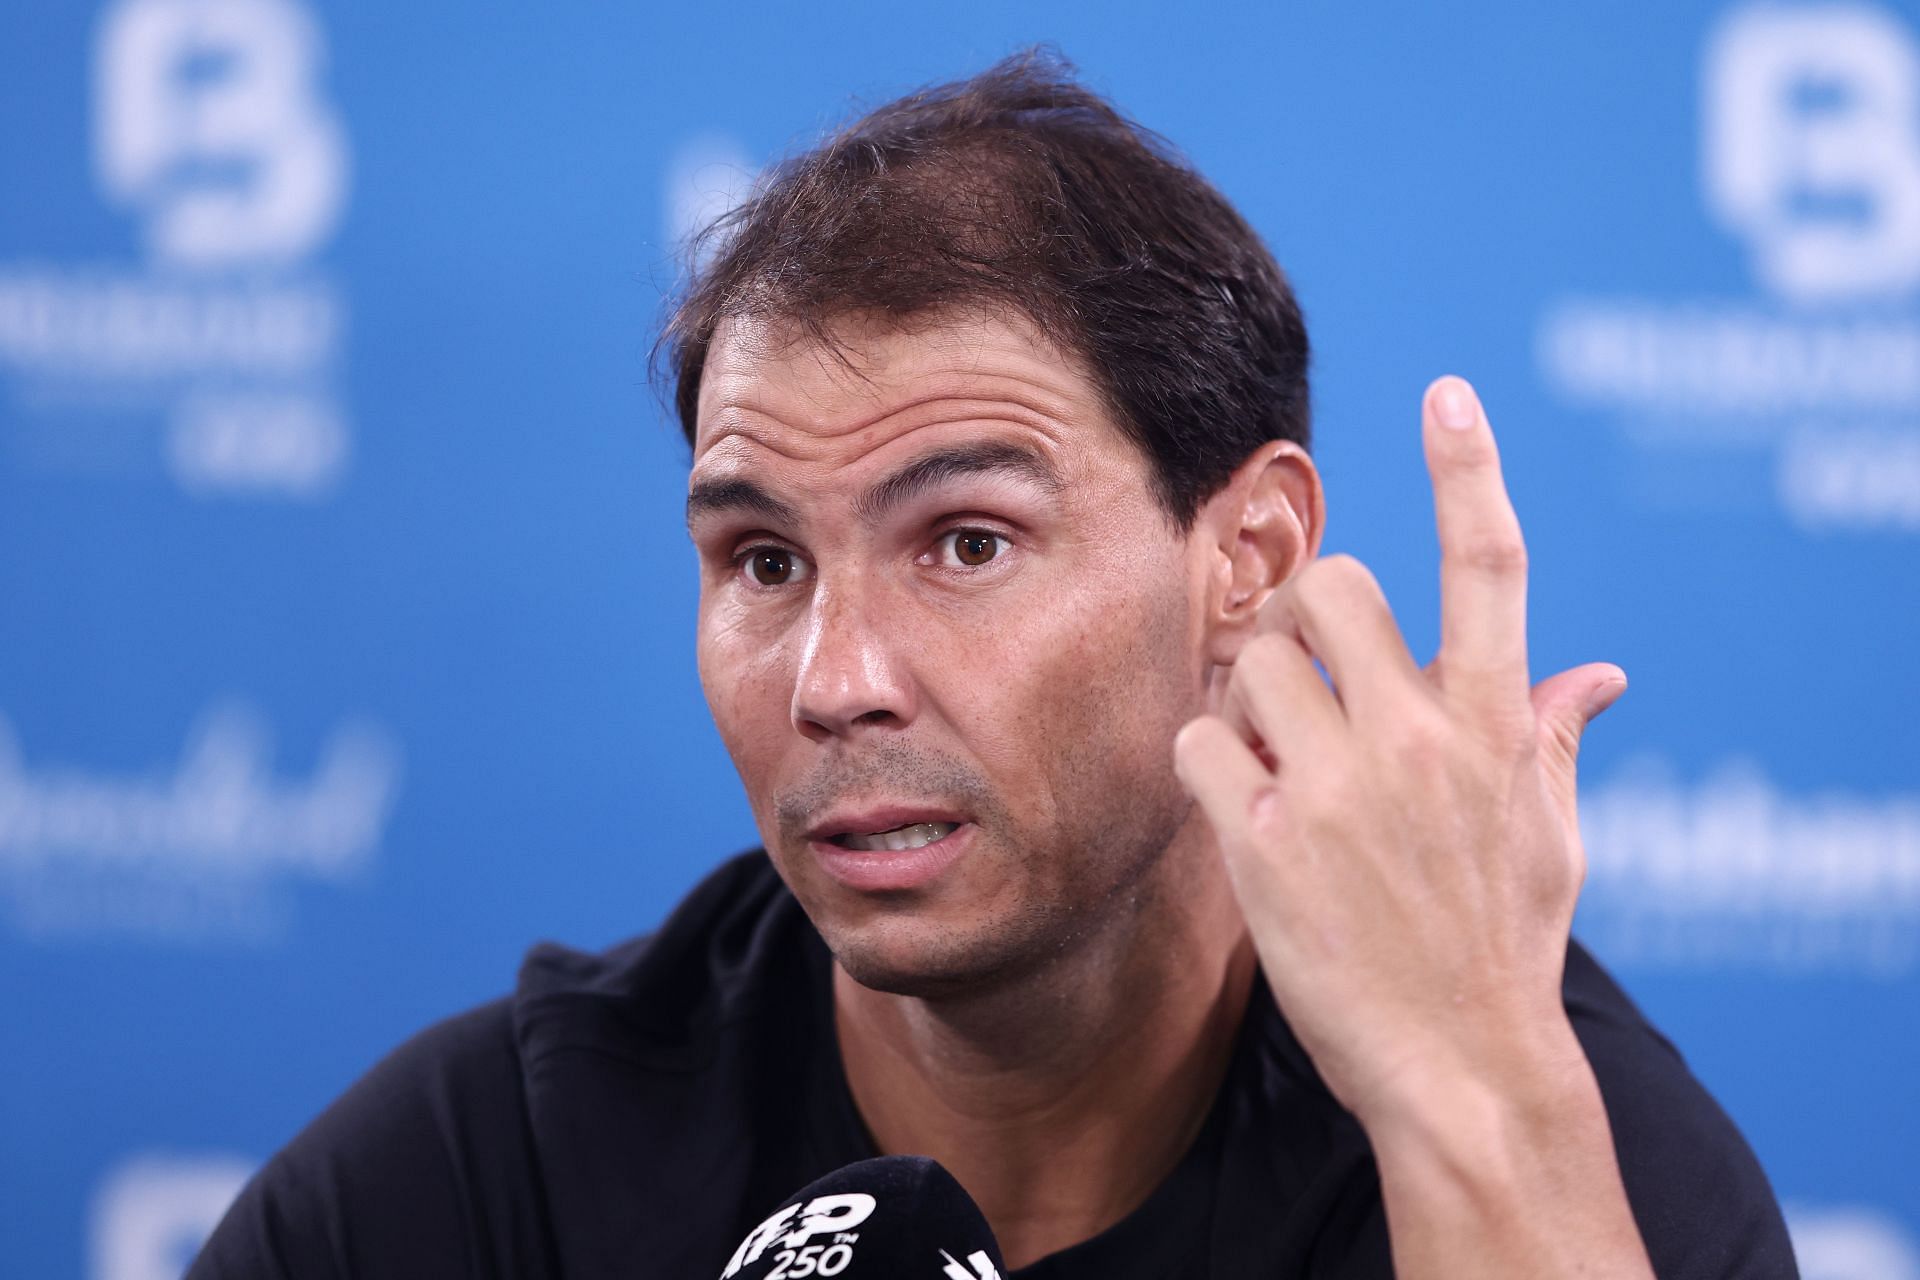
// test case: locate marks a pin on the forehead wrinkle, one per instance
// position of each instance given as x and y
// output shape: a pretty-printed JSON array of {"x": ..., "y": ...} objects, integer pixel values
[
  {"x": 738, "y": 398},
  {"x": 742, "y": 433}
]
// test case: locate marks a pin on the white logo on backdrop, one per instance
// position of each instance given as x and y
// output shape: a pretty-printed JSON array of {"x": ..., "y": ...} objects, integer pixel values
[
  {"x": 164, "y": 133},
  {"x": 1810, "y": 159},
  {"x": 1805, "y": 105},
  {"x": 706, "y": 178},
  {"x": 1732, "y": 870},
  {"x": 1851, "y": 1242},
  {"x": 211, "y": 129},
  {"x": 200, "y": 850},
  {"x": 152, "y": 1213}
]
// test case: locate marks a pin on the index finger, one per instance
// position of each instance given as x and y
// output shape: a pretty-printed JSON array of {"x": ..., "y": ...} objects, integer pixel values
[{"x": 1483, "y": 560}]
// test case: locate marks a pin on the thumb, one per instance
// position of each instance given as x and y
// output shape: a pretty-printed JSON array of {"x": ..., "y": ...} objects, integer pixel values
[{"x": 1564, "y": 704}]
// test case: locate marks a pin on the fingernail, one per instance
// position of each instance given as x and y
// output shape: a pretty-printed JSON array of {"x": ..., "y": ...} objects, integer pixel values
[
  {"x": 1605, "y": 696},
  {"x": 1454, "y": 406}
]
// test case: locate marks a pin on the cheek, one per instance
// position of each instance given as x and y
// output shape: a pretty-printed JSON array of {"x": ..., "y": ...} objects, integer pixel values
[
  {"x": 1085, "y": 700},
  {"x": 1126, "y": 692},
  {"x": 748, "y": 691}
]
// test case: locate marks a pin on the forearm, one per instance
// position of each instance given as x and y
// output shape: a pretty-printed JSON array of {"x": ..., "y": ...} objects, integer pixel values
[{"x": 1509, "y": 1177}]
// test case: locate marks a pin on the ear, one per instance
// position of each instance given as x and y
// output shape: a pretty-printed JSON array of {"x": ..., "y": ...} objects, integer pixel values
[{"x": 1257, "y": 532}]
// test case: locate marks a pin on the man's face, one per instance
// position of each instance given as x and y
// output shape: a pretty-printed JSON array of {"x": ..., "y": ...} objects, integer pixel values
[{"x": 947, "y": 634}]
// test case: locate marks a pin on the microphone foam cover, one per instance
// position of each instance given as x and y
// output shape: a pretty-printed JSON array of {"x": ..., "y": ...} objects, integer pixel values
[{"x": 892, "y": 1218}]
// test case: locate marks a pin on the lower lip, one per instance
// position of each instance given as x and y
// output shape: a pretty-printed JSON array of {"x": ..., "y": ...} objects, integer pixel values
[{"x": 891, "y": 870}]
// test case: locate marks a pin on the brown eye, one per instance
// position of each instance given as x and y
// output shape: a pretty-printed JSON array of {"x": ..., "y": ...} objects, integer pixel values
[
  {"x": 775, "y": 566},
  {"x": 974, "y": 547}
]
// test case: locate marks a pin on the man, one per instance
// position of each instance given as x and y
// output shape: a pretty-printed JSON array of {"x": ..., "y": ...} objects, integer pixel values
[{"x": 1079, "y": 877}]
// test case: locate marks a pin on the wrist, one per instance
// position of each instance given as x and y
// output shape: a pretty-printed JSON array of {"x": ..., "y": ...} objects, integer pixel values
[
  {"x": 1513, "y": 1167},
  {"x": 1489, "y": 1123}
]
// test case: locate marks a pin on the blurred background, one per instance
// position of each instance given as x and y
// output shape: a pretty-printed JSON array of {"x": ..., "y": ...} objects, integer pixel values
[{"x": 346, "y": 607}]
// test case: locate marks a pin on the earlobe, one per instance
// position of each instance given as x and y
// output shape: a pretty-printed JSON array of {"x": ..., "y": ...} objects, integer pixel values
[{"x": 1263, "y": 527}]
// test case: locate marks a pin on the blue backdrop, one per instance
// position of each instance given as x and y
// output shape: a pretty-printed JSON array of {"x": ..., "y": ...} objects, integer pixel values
[{"x": 345, "y": 608}]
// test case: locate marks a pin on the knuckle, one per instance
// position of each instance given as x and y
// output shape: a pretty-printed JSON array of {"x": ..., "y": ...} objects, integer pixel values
[
  {"x": 1422, "y": 738},
  {"x": 1267, "y": 816},
  {"x": 1502, "y": 554},
  {"x": 1338, "y": 792}
]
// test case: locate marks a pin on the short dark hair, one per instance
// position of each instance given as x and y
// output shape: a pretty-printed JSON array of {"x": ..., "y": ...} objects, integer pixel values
[{"x": 1021, "y": 186}]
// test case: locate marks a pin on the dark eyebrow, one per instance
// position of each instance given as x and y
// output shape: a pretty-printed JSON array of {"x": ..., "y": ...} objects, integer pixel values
[
  {"x": 735, "y": 494},
  {"x": 923, "y": 473},
  {"x": 941, "y": 465}
]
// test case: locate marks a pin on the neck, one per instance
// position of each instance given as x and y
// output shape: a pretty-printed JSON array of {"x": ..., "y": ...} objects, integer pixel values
[{"x": 1061, "y": 1101}]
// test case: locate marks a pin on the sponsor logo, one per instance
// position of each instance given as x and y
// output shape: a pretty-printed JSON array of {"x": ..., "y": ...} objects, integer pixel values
[
  {"x": 707, "y": 177},
  {"x": 982, "y": 1267},
  {"x": 1730, "y": 870},
  {"x": 212, "y": 132},
  {"x": 791, "y": 1232},
  {"x": 1811, "y": 148},
  {"x": 1851, "y": 1242},
  {"x": 152, "y": 1213},
  {"x": 1810, "y": 161},
  {"x": 201, "y": 851}
]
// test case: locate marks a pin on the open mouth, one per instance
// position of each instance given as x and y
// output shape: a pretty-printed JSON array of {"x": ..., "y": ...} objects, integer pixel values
[{"x": 916, "y": 835}]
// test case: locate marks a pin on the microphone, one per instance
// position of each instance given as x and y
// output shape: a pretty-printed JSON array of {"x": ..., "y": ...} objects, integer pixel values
[{"x": 894, "y": 1218}]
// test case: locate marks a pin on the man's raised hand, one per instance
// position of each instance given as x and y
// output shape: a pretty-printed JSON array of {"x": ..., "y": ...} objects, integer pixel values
[{"x": 1405, "y": 848}]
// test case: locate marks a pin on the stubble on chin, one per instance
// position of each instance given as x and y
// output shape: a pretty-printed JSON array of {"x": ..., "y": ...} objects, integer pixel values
[
  {"x": 936, "y": 961},
  {"x": 1027, "y": 901}
]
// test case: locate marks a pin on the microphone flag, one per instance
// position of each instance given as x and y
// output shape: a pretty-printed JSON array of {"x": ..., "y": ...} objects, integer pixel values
[{"x": 899, "y": 1217}]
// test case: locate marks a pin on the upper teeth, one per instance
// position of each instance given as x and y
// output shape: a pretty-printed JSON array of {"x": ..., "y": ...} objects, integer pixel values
[{"x": 913, "y": 837}]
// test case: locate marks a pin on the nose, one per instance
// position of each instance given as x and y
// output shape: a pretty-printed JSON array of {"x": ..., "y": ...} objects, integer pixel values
[{"x": 851, "y": 674}]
